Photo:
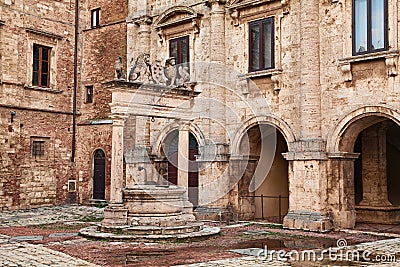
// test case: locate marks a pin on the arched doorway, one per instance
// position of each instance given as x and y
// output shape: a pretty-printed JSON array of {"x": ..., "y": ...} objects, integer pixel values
[
  {"x": 265, "y": 181},
  {"x": 99, "y": 174},
  {"x": 376, "y": 172},
  {"x": 170, "y": 150}
]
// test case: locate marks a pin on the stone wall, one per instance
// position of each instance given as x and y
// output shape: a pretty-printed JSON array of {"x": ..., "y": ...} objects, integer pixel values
[{"x": 40, "y": 114}]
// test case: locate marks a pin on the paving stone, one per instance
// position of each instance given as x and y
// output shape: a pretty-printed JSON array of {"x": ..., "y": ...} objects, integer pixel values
[
  {"x": 63, "y": 235},
  {"x": 26, "y": 238}
]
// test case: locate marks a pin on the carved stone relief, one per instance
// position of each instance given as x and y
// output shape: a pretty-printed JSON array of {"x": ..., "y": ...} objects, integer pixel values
[{"x": 155, "y": 73}]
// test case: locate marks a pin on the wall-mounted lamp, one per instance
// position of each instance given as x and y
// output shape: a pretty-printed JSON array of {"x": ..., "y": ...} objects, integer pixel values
[
  {"x": 152, "y": 119},
  {"x": 12, "y": 113}
]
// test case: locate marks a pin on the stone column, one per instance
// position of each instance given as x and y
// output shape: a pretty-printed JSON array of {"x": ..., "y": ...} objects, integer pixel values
[
  {"x": 310, "y": 89},
  {"x": 216, "y": 149},
  {"x": 374, "y": 173},
  {"x": 144, "y": 32},
  {"x": 115, "y": 214},
  {"x": 183, "y": 158},
  {"x": 341, "y": 200},
  {"x": 183, "y": 167},
  {"x": 117, "y": 159},
  {"x": 308, "y": 159}
]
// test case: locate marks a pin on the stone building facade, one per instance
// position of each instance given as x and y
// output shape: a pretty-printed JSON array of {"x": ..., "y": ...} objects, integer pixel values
[{"x": 293, "y": 100}]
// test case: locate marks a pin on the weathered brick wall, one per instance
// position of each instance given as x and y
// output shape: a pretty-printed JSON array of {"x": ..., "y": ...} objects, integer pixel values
[
  {"x": 92, "y": 137},
  {"x": 42, "y": 113},
  {"x": 100, "y": 47},
  {"x": 29, "y": 181}
]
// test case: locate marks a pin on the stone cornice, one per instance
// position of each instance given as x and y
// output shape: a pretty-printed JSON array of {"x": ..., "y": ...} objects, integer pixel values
[{"x": 44, "y": 33}]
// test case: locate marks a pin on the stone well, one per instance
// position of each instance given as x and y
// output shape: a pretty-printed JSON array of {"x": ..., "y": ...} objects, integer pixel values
[{"x": 151, "y": 213}]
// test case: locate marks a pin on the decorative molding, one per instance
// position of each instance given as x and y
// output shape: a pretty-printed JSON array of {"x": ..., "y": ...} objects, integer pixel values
[
  {"x": 162, "y": 20},
  {"x": 391, "y": 58},
  {"x": 44, "y": 33},
  {"x": 235, "y": 17},
  {"x": 391, "y": 65},
  {"x": 143, "y": 20},
  {"x": 45, "y": 89},
  {"x": 346, "y": 70},
  {"x": 240, "y": 4},
  {"x": 263, "y": 73},
  {"x": 275, "y": 78},
  {"x": 2, "y": 22}
]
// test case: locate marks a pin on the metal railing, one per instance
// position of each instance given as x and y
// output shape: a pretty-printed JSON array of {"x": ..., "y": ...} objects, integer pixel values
[{"x": 262, "y": 198}]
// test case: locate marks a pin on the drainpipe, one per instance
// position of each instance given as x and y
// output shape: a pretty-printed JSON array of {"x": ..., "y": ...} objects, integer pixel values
[{"x": 75, "y": 81}]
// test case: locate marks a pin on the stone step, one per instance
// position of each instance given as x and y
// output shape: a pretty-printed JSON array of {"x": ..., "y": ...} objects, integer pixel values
[{"x": 157, "y": 230}]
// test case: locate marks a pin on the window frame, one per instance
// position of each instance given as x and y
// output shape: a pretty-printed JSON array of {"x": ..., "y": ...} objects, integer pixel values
[
  {"x": 40, "y": 63},
  {"x": 178, "y": 60},
  {"x": 261, "y": 62},
  {"x": 95, "y": 18},
  {"x": 89, "y": 94},
  {"x": 35, "y": 152},
  {"x": 369, "y": 49}
]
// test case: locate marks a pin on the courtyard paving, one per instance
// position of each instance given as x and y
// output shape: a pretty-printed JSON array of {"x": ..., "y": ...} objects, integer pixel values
[{"x": 48, "y": 237}]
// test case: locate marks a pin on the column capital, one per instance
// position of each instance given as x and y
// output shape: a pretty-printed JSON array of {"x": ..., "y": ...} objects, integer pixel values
[
  {"x": 143, "y": 20},
  {"x": 217, "y": 6},
  {"x": 118, "y": 119}
]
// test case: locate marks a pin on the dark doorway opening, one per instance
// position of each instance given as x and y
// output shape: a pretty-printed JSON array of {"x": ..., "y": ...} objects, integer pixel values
[
  {"x": 99, "y": 174},
  {"x": 193, "y": 179}
]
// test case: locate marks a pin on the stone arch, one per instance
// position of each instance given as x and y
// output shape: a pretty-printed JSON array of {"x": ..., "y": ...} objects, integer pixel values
[
  {"x": 354, "y": 122},
  {"x": 279, "y": 124},
  {"x": 193, "y": 128}
]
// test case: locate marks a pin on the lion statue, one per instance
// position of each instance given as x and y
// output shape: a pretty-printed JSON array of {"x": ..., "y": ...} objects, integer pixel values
[{"x": 141, "y": 69}]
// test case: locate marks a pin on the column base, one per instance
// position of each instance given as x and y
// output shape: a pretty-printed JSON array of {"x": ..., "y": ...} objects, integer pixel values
[
  {"x": 115, "y": 215},
  {"x": 306, "y": 220},
  {"x": 371, "y": 214}
]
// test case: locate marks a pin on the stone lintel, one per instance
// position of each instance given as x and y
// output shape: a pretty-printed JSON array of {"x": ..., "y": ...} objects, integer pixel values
[{"x": 308, "y": 220}]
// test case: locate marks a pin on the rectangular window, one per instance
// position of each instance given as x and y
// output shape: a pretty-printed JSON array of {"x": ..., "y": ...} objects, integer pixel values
[
  {"x": 37, "y": 149},
  {"x": 179, "y": 49},
  {"x": 95, "y": 18},
  {"x": 370, "y": 26},
  {"x": 89, "y": 94},
  {"x": 261, "y": 44},
  {"x": 41, "y": 65}
]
